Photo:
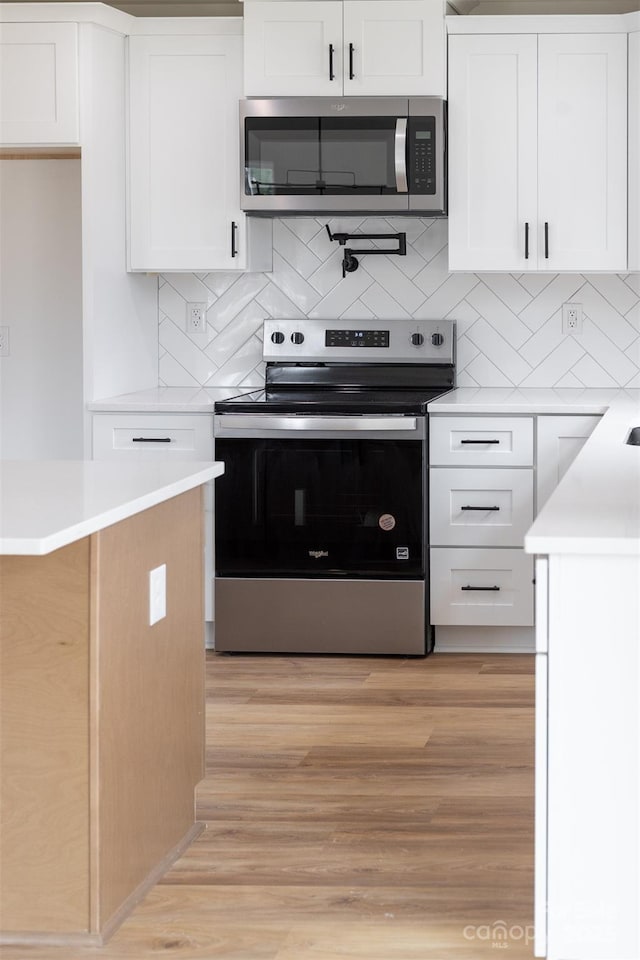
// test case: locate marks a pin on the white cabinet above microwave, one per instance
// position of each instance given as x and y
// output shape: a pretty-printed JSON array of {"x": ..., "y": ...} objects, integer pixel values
[{"x": 331, "y": 48}]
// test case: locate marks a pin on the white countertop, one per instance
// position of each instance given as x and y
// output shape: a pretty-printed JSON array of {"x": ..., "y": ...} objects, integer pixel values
[
  {"x": 48, "y": 504},
  {"x": 507, "y": 400},
  {"x": 167, "y": 400},
  {"x": 596, "y": 507}
]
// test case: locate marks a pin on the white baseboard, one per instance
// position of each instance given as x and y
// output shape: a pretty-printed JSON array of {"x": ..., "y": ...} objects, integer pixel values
[
  {"x": 485, "y": 640},
  {"x": 209, "y": 635}
]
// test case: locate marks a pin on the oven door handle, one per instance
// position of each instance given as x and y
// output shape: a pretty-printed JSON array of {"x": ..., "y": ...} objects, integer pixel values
[
  {"x": 401, "y": 155},
  {"x": 229, "y": 421}
]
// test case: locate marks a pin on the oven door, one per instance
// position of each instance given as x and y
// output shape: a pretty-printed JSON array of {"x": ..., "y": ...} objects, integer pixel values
[
  {"x": 320, "y": 154},
  {"x": 320, "y": 497}
]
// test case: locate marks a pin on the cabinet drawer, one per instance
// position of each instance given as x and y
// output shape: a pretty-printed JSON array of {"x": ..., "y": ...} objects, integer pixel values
[
  {"x": 481, "y": 587},
  {"x": 481, "y": 441},
  {"x": 152, "y": 437},
  {"x": 480, "y": 507}
]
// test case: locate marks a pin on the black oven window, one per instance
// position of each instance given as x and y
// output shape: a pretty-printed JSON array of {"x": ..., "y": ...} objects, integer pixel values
[
  {"x": 319, "y": 507},
  {"x": 320, "y": 156}
]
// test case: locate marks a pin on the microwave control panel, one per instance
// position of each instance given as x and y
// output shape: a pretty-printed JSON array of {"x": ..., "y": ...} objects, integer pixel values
[{"x": 422, "y": 154}]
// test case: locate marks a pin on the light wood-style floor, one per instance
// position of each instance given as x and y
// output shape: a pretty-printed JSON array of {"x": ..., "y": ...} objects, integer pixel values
[{"x": 356, "y": 809}]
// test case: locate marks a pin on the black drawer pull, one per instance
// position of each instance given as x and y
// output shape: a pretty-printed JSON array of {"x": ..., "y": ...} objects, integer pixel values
[
  {"x": 351, "y": 73},
  {"x": 234, "y": 249},
  {"x": 151, "y": 439},
  {"x": 332, "y": 75},
  {"x": 480, "y": 508},
  {"x": 546, "y": 241},
  {"x": 526, "y": 241},
  {"x": 479, "y": 441},
  {"x": 493, "y": 589}
]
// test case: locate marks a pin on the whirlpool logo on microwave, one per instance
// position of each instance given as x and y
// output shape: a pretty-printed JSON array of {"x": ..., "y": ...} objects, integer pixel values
[{"x": 318, "y": 554}]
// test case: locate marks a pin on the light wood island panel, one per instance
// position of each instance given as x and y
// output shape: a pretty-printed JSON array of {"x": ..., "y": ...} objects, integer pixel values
[{"x": 102, "y": 735}]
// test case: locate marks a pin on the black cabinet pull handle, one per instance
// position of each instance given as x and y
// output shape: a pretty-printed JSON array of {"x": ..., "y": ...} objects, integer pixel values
[
  {"x": 492, "y": 589},
  {"x": 546, "y": 241},
  {"x": 526, "y": 241},
  {"x": 479, "y": 441},
  {"x": 332, "y": 75},
  {"x": 351, "y": 73},
  {"x": 151, "y": 439},
  {"x": 234, "y": 251},
  {"x": 480, "y": 508}
]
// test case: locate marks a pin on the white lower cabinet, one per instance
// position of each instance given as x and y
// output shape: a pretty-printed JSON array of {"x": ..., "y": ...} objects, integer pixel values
[
  {"x": 480, "y": 507},
  {"x": 487, "y": 481},
  {"x": 481, "y": 587},
  {"x": 475, "y": 507},
  {"x": 560, "y": 440},
  {"x": 166, "y": 437}
]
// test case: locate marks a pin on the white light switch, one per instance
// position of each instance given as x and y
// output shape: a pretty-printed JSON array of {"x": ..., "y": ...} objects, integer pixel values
[{"x": 157, "y": 594}]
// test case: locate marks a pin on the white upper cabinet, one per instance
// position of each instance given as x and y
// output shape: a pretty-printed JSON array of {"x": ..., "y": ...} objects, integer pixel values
[
  {"x": 394, "y": 47},
  {"x": 184, "y": 198},
  {"x": 353, "y": 48},
  {"x": 538, "y": 152},
  {"x": 39, "y": 83},
  {"x": 492, "y": 151},
  {"x": 634, "y": 151},
  {"x": 582, "y": 151},
  {"x": 293, "y": 49}
]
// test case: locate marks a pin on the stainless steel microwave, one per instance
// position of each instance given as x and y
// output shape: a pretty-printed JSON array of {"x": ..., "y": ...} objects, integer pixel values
[{"x": 324, "y": 155}]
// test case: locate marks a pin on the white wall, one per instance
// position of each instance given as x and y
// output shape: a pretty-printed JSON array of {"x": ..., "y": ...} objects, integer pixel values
[{"x": 41, "y": 302}]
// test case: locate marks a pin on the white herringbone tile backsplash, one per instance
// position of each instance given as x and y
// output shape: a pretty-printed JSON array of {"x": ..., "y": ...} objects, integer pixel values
[{"x": 509, "y": 325}]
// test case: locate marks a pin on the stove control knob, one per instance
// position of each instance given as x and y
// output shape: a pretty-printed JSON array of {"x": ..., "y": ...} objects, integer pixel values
[
  {"x": 277, "y": 337},
  {"x": 297, "y": 337},
  {"x": 417, "y": 339},
  {"x": 437, "y": 339}
]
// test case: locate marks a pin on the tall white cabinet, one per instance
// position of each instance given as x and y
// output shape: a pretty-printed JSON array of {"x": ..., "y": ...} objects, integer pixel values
[
  {"x": 353, "y": 48},
  {"x": 538, "y": 152}
]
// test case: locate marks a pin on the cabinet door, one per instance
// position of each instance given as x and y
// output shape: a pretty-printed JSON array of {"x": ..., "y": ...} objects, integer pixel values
[
  {"x": 293, "y": 49},
  {"x": 634, "y": 151},
  {"x": 39, "y": 83},
  {"x": 560, "y": 440},
  {"x": 183, "y": 153},
  {"x": 582, "y": 158},
  {"x": 492, "y": 152},
  {"x": 394, "y": 47}
]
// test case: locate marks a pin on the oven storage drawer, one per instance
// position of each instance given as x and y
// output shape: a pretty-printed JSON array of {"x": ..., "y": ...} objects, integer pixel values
[
  {"x": 480, "y": 507},
  {"x": 128, "y": 436},
  {"x": 481, "y": 587},
  {"x": 481, "y": 441},
  {"x": 320, "y": 616}
]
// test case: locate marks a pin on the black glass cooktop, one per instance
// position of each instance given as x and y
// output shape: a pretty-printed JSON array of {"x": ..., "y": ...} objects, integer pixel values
[{"x": 318, "y": 402}]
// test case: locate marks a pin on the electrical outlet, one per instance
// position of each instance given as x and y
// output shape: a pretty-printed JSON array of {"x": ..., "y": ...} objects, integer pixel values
[
  {"x": 4, "y": 341},
  {"x": 572, "y": 318},
  {"x": 197, "y": 317},
  {"x": 157, "y": 594}
]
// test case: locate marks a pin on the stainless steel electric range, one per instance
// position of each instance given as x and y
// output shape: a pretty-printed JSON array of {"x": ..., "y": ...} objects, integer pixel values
[{"x": 321, "y": 519}]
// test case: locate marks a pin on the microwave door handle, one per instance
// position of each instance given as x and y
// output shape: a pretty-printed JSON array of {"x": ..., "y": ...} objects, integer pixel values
[{"x": 401, "y": 155}]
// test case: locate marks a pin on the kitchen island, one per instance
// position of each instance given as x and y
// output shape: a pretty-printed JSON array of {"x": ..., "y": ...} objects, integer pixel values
[
  {"x": 587, "y": 542},
  {"x": 101, "y": 689}
]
